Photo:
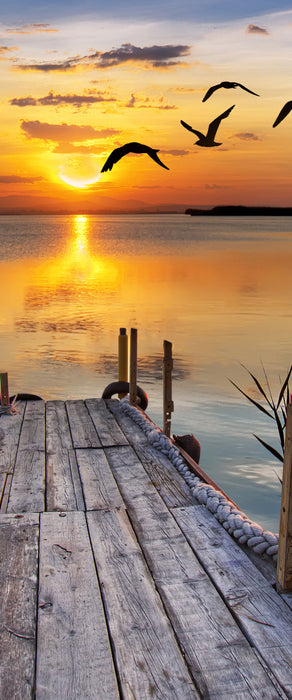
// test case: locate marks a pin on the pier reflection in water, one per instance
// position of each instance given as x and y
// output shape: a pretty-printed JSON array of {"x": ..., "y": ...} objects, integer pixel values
[{"x": 219, "y": 290}]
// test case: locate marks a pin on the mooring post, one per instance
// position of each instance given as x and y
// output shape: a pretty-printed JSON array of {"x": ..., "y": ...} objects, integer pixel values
[
  {"x": 123, "y": 368},
  {"x": 284, "y": 564},
  {"x": 167, "y": 386},
  {"x": 133, "y": 366},
  {"x": 4, "y": 389}
]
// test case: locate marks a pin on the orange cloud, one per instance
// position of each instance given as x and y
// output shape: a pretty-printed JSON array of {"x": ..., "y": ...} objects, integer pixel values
[
  {"x": 246, "y": 136},
  {"x": 254, "y": 29},
  {"x": 157, "y": 56},
  {"x": 69, "y": 64},
  {"x": 63, "y": 132},
  {"x": 175, "y": 151},
  {"x": 31, "y": 29},
  {"x": 55, "y": 99},
  {"x": 145, "y": 103},
  {"x": 4, "y": 50},
  {"x": 8, "y": 179},
  {"x": 68, "y": 147},
  {"x": 154, "y": 56}
]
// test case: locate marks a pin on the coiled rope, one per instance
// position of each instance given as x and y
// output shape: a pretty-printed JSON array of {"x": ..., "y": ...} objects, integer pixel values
[{"x": 237, "y": 524}]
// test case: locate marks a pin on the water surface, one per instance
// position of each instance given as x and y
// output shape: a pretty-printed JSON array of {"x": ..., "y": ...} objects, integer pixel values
[{"x": 218, "y": 288}]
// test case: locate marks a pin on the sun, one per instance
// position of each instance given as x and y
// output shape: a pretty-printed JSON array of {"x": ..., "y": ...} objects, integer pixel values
[
  {"x": 78, "y": 181},
  {"x": 80, "y": 172}
]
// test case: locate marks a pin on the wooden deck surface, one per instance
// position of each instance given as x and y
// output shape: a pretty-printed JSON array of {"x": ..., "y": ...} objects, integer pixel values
[{"x": 115, "y": 582}]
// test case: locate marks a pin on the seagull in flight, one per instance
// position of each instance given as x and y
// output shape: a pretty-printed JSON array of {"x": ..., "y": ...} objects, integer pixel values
[
  {"x": 132, "y": 147},
  {"x": 208, "y": 140},
  {"x": 228, "y": 86},
  {"x": 283, "y": 113}
]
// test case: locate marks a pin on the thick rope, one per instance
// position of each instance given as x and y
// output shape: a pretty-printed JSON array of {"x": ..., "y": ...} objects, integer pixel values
[{"x": 237, "y": 524}]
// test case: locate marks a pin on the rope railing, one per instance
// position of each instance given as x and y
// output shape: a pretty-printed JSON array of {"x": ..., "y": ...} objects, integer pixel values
[{"x": 237, "y": 524}]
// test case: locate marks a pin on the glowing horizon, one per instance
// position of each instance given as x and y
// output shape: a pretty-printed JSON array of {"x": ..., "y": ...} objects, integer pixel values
[{"x": 69, "y": 97}]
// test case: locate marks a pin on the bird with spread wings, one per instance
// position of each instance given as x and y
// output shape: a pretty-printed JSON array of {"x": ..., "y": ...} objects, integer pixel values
[
  {"x": 208, "y": 139},
  {"x": 227, "y": 85},
  {"x": 133, "y": 147}
]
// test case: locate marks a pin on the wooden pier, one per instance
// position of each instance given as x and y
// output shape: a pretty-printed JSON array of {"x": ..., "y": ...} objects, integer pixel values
[{"x": 115, "y": 582}]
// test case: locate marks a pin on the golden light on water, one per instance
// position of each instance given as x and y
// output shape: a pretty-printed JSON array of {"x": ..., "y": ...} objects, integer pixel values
[
  {"x": 80, "y": 229},
  {"x": 79, "y": 264}
]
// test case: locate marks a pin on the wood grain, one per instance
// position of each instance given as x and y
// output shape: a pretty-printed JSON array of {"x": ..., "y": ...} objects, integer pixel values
[
  {"x": 63, "y": 483},
  {"x": 73, "y": 656},
  {"x": 133, "y": 433},
  {"x": 27, "y": 492},
  {"x": 260, "y": 611},
  {"x": 150, "y": 663},
  {"x": 170, "y": 484},
  {"x": 82, "y": 429},
  {"x": 10, "y": 426},
  {"x": 18, "y": 586},
  {"x": 108, "y": 430},
  {"x": 99, "y": 486}
]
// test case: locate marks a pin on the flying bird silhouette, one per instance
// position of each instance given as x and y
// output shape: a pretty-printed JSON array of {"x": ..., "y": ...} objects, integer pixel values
[
  {"x": 132, "y": 147},
  {"x": 228, "y": 86},
  {"x": 208, "y": 140},
  {"x": 283, "y": 113}
]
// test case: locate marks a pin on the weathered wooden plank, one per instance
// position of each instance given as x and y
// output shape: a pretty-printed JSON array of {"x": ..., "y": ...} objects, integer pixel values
[
  {"x": 215, "y": 649},
  {"x": 169, "y": 556},
  {"x": 265, "y": 564},
  {"x": 28, "y": 482},
  {"x": 149, "y": 660},
  {"x": 18, "y": 600},
  {"x": 63, "y": 483},
  {"x": 82, "y": 429},
  {"x": 215, "y": 547},
  {"x": 73, "y": 652},
  {"x": 133, "y": 433},
  {"x": 32, "y": 434},
  {"x": 58, "y": 436},
  {"x": 10, "y": 426},
  {"x": 261, "y": 612},
  {"x": 80, "y": 505},
  {"x": 60, "y": 492},
  {"x": 107, "y": 428},
  {"x": 169, "y": 483},
  {"x": 27, "y": 491},
  {"x": 184, "y": 586},
  {"x": 99, "y": 486},
  {"x": 153, "y": 519}
]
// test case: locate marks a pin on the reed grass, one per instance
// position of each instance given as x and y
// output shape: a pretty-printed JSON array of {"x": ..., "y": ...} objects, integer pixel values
[{"x": 276, "y": 409}]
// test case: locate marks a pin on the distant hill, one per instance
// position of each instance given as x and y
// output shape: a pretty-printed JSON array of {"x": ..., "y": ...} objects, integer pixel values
[{"x": 241, "y": 211}]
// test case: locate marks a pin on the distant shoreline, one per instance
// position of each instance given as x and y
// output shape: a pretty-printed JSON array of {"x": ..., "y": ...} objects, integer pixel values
[
  {"x": 86, "y": 212},
  {"x": 241, "y": 211},
  {"x": 220, "y": 210}
]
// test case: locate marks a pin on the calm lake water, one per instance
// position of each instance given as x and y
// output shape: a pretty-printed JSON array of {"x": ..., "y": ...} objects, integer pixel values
[{"x": 218, "y": 288}]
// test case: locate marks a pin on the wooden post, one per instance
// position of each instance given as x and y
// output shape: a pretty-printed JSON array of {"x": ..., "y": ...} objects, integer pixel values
[
  {"x": 123, "y": 357},
  {"x": 167, "y": 386},
  {"x": 284, "y": 565},
  {"x": 4, "y": 389},
  {"x": 133, "y": 366}
]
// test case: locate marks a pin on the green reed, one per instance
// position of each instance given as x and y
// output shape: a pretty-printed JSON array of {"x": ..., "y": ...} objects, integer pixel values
[{"x": 273, "y": 408}]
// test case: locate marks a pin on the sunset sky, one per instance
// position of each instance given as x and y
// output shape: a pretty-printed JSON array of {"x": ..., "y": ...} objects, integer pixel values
[{"x": 75, "y": 85}]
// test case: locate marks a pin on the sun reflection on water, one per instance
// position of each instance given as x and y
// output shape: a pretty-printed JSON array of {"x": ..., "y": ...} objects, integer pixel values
[
  {"x": 77, "y": 264},
  {"x": 80, "y": 229}
]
